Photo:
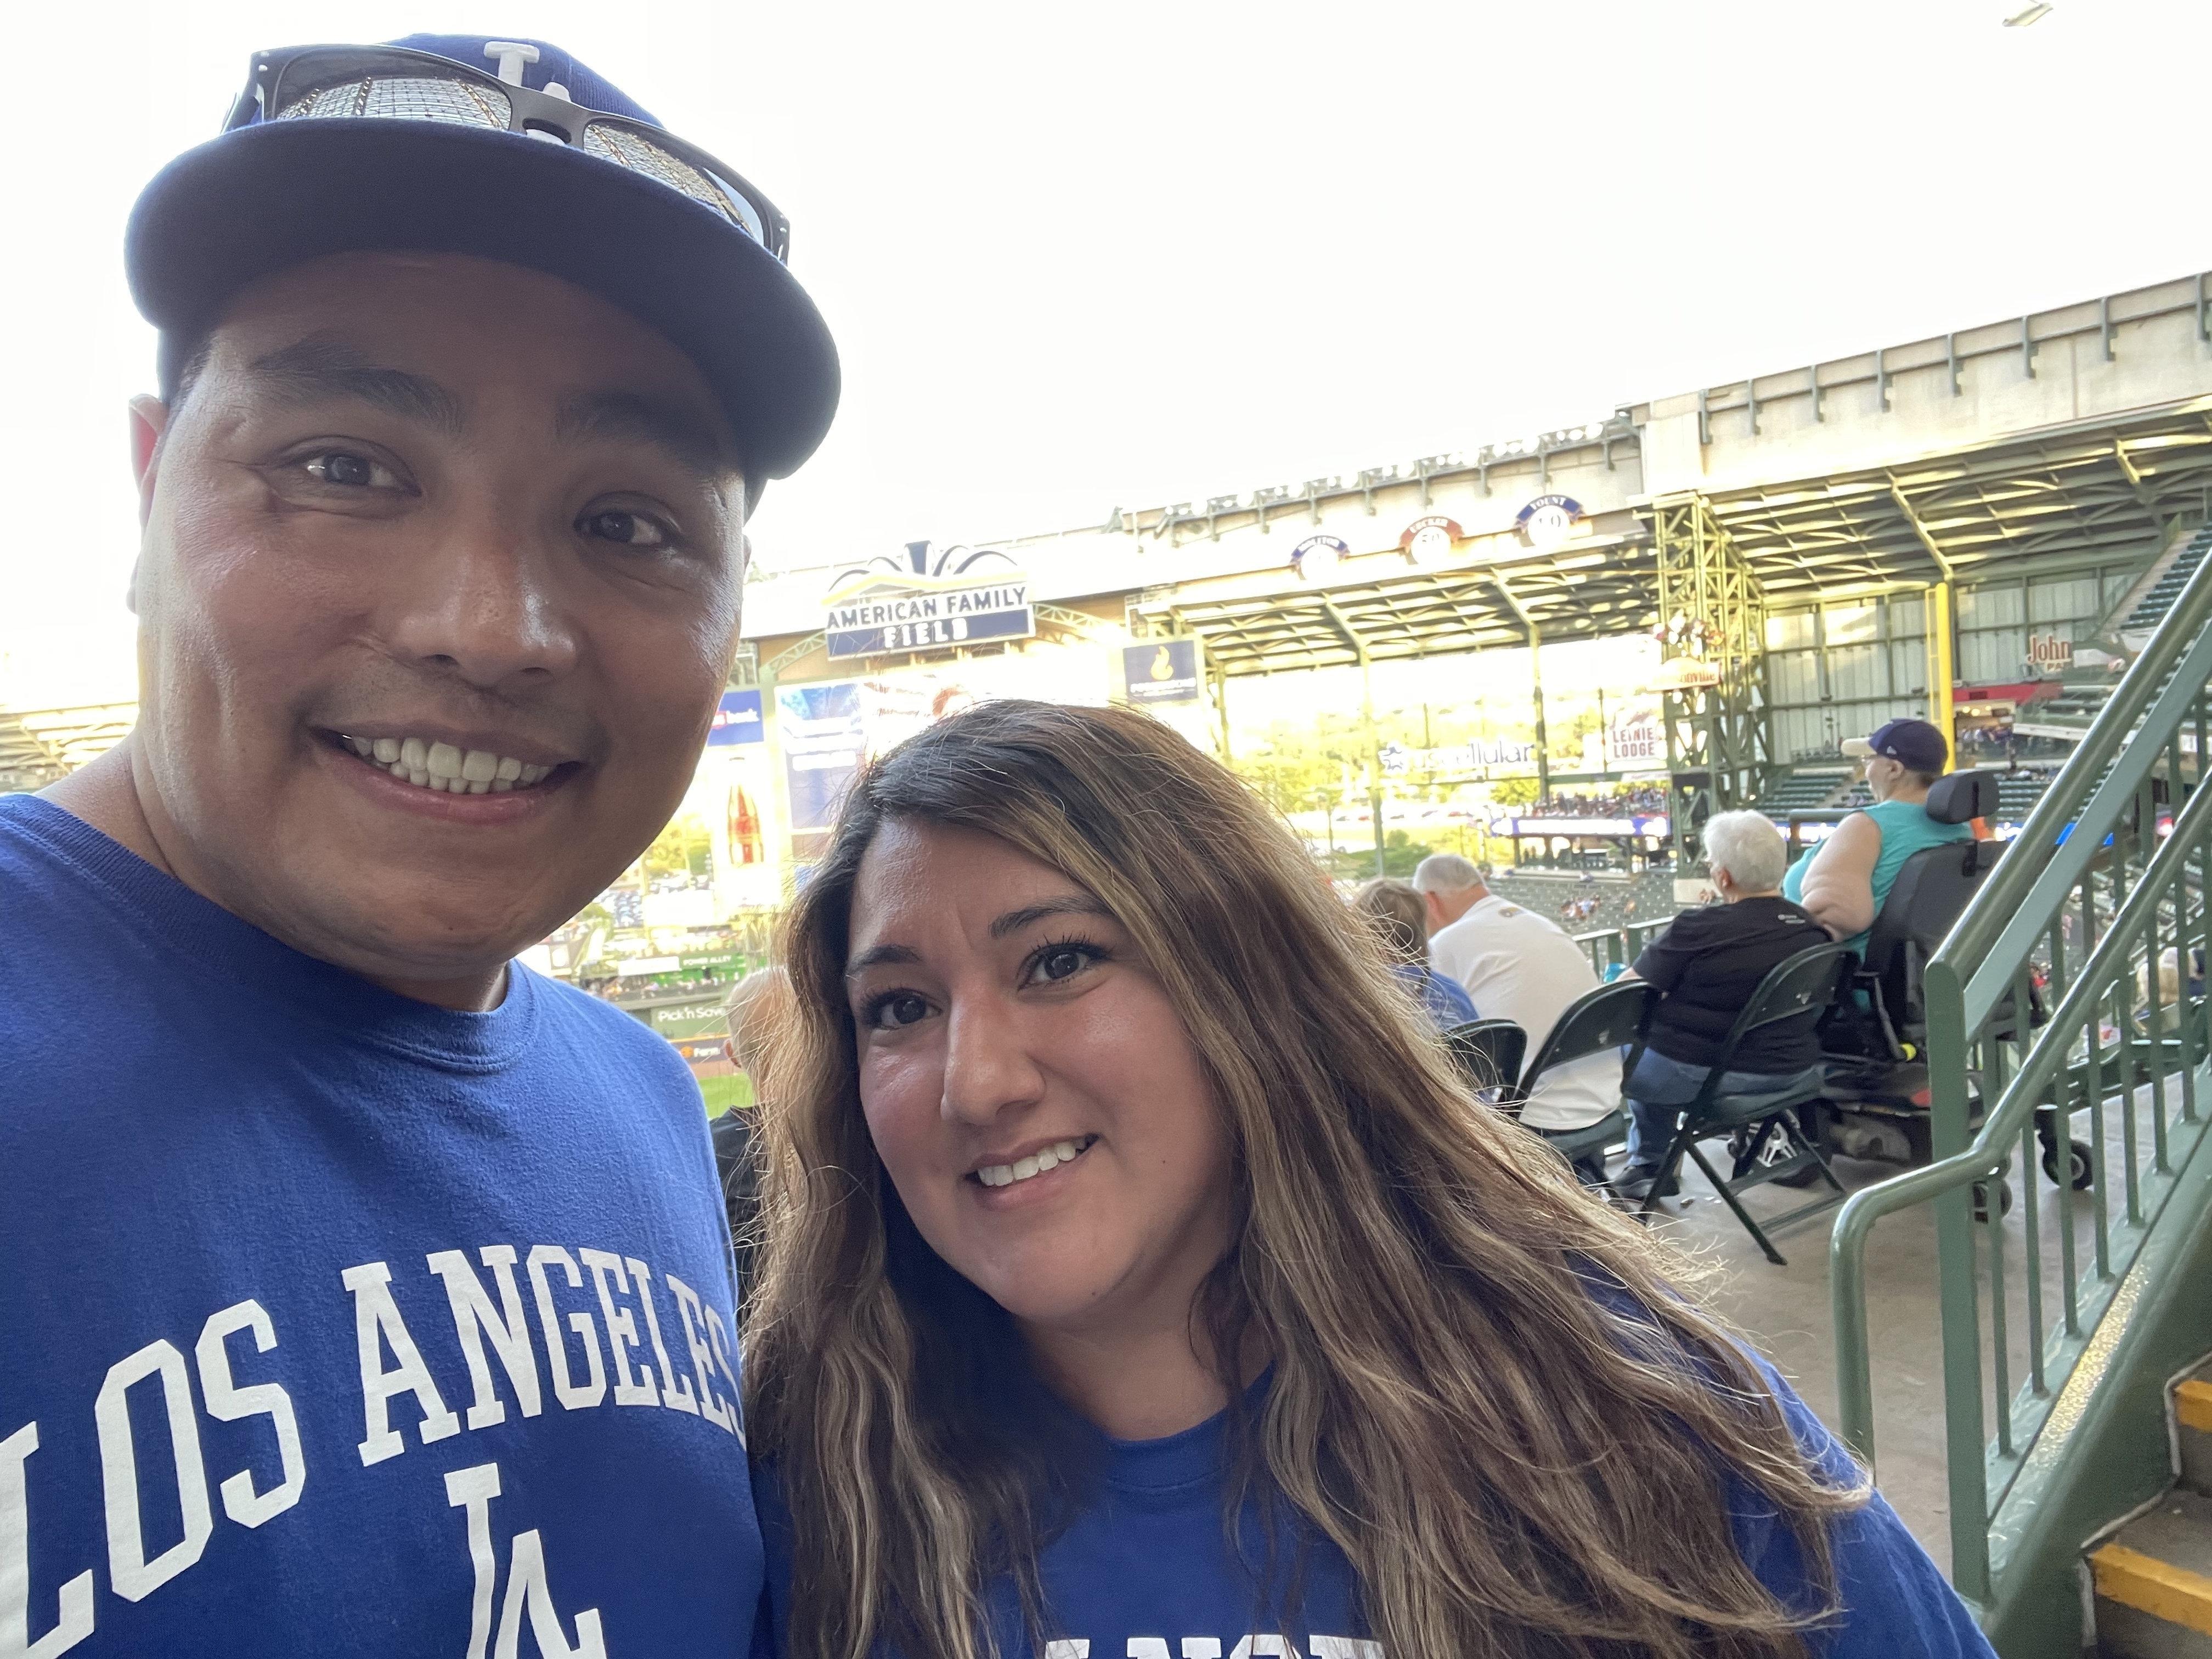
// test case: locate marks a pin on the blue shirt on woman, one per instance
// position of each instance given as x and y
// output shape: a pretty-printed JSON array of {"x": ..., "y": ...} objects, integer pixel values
[
  {"x": 1146, "y": 1572},
  {"x": 1442, "y": 998}
]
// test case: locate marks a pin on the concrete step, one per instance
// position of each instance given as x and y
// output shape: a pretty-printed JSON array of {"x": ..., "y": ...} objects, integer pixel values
[
  {"x": 2192, "y": 1429},
  {"x": 2154, "y": 1582}
]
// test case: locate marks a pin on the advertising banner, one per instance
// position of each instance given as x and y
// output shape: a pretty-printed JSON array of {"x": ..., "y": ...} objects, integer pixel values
[
  {"x": 1647, "y": 826},
  {"x": 819, "y": 730},
  {"x": 1162, "y": 671},
  {"x": 826, "y": 733},
  {"x": 734, "y": 792},
  {"x": 737, "y": 720}
]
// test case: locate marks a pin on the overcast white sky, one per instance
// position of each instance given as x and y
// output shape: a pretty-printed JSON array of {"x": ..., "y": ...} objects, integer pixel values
[{"x": 1079, "y": 257}]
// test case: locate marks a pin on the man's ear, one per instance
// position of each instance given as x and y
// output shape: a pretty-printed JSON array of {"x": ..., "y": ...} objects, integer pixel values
[{"x": 149, "y": 419}]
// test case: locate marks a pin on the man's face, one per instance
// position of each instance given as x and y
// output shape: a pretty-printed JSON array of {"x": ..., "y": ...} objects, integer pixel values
[{"x": 450, "y": 512}]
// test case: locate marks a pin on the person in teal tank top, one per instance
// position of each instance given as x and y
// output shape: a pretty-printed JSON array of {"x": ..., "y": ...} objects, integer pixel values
[{"x": 1844, "y": 880}]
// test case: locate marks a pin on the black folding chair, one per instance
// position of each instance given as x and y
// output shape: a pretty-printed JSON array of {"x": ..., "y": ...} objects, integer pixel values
[
  {"x": 1488, "y": 1053},
  {"x": 1611, "y": 1017},
  {"x": 1797, "y": 989}
]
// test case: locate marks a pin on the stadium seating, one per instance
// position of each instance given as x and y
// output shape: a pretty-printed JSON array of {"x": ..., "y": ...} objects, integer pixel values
[
  {"x": 1801, "y": 789},
  {"x": 2151, "y": 610}
]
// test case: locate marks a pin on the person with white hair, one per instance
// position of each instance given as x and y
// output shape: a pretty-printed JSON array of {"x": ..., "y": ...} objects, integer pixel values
[
  {"x": 1706, "y": 966},
  {"x": 1519, "y": 966}
]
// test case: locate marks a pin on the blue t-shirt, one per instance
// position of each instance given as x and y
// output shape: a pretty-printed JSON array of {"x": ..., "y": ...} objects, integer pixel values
[
  {"x": 1442, "y": 996},
  {"x": 335, "y": 1322},
  {"x": 1147, "y": 1571}
]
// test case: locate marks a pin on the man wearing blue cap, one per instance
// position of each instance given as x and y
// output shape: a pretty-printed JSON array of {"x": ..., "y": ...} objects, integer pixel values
[
  {"x": 402, "y": 1323},
  {"x": 1844, "y": 880}
]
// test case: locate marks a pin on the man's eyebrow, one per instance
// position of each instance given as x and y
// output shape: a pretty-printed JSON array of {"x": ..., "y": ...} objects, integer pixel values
[
  {"x": 669, "y": 425},
  {"x": 879, "y": 956},
  {"x": 1073, "y": 904},
  {"x": 323, "y": 367}
]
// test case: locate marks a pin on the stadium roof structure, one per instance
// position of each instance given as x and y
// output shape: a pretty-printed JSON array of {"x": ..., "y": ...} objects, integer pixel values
[
  {"x": 2080, "y": 494},
  {"x": 1583, "y": 593},
  {"x": 40, "y": 746},
  {"x": 2091, "y": 491}
]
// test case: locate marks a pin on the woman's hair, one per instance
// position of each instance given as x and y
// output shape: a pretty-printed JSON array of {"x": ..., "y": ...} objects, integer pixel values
[
  {"x": 1749, "y": 848},
  {"x": 1398, "y": 916},
  {"x": 1484, "y": 1390}
]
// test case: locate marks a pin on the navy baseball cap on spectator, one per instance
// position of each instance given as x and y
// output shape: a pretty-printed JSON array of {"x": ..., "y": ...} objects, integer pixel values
[
  {"x": 346, "y": 150},
  {"x": 1914, "y": 744}
]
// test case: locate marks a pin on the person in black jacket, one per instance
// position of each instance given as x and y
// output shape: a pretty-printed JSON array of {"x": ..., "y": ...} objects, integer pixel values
[
  {"x": 758, "y": 1004},
  {"x": 1707, "y": 964}
]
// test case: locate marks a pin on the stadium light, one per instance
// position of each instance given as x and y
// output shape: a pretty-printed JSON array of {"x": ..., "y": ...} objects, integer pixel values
[{"x": 2020, "y": 19}]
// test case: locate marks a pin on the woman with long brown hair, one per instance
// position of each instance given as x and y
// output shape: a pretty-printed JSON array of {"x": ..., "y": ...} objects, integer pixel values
[{"x": 1140, "y": 1281}]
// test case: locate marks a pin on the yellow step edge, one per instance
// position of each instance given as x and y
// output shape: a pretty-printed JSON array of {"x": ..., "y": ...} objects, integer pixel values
[
  {"x": 2192, "y": 1404},
  {"x": 2150, "y": 1585}
]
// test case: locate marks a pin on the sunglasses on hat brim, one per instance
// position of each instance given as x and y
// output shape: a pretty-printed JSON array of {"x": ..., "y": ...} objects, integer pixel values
[{"x": 393, "y": 83}]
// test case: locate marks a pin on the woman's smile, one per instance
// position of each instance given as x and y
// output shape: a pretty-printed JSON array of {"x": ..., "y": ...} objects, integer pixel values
[{"x": 1019, "y": 1169}]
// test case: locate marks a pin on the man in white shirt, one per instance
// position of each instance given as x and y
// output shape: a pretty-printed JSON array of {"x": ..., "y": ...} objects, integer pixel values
[{"x": 1519, "y": 966}]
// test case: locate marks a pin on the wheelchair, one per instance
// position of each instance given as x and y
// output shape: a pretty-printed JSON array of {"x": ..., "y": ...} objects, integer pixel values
[{"x": 1874, "y": 1102}]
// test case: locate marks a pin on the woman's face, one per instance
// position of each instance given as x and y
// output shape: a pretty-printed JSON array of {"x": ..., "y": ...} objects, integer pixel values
[{"x": 1033, "y": 1095}]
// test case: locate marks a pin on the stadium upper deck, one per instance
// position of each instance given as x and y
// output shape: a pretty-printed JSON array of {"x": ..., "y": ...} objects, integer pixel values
[{"x": 2052, "y": 441}]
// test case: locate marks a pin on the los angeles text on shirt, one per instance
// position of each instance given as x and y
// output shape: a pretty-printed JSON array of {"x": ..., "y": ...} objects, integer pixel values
[{"x": 663, "y": 1347}]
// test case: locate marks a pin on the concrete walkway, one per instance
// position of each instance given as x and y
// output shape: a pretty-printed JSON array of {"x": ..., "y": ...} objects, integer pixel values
[{"x": 1784, "y": 1312}]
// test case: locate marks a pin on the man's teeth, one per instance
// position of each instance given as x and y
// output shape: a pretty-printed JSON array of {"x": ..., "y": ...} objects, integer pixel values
[
  {"x": 1006, "y": 1175},
  {"x": 442, "y": 766}
]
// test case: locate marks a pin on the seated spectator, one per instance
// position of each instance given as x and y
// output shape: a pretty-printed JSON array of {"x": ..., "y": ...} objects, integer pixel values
[
  {"x": 757, "y": 1005},
  {"x": 1707, "y": 965},
  {"x": 1400, "y": 921},
  {"x": 1518, "y": 965},
  {"x": 1844, "y": 879}
]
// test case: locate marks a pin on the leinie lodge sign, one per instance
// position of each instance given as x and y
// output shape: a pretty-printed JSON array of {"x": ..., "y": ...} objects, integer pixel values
[{"x": 926, "y": 615}]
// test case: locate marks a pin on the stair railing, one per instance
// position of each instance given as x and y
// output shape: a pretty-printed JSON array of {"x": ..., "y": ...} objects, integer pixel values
[{"x": 2095, "y": 903}]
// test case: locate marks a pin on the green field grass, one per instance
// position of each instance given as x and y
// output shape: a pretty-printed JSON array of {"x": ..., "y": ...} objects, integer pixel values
[{"x": 723, "y": 1093}]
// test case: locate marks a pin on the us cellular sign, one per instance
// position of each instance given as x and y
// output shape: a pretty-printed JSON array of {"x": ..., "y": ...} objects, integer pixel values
[{"x": 925, "y": 615}]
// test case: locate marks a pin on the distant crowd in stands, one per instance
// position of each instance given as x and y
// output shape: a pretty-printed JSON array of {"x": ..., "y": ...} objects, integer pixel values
[{"x": 1640, "y": 800}]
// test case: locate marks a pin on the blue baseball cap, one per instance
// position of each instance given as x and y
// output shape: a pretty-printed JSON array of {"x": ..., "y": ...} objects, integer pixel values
[
  {"x": 273, "y": 191},
  {"x": 1915, "y": 743}
]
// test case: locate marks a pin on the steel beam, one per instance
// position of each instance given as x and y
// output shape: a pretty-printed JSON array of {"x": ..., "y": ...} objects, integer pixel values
[{"x": 1712, "y": 611}]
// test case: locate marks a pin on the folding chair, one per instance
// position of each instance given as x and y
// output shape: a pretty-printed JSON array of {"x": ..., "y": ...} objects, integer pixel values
[
  {"x": 1797, "y": 989},
  {"x": 1488, "y": 1053},
  {"x": 1611, "y": 1017}
]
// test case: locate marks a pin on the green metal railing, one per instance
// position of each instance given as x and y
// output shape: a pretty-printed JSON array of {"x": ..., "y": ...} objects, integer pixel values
[
  {"x": 1621, "y": 945},
  {"x": 2065, "y": 1015}
]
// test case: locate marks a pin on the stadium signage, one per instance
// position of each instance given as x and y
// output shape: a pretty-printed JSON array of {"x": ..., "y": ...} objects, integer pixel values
[
  {"x": 1430, "y": 538},
  {"x": 1461, "y": 757},
  {"x": 885, "y": 614},
  {"x": 738, "y": 719},
  {"x": 2048, "y": 653},
  {"x": 1684, "y": 674},
  {"x": 1638, "y": 740},
  {"x": 1652, "y": 827},
  {"x": 1162, "y": 671},
  {"x": 1549, "y": 519},
  {"x": 1316, "y": 556}
]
